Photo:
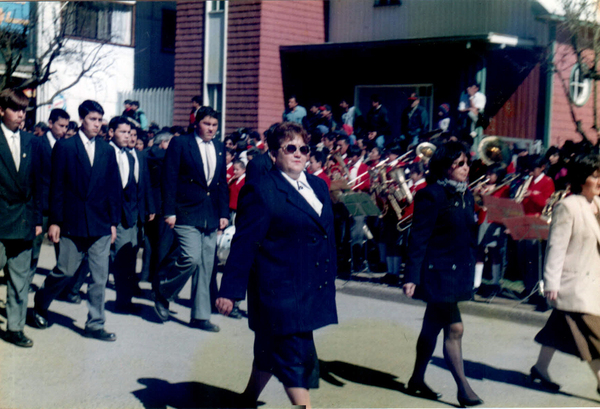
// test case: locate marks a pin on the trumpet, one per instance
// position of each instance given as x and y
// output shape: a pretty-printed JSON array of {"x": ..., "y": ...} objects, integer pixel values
[{"x": 479, "y": 181}]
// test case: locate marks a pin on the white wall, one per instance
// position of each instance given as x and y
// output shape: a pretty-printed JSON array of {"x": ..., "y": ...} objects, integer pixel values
[{"x": 112, "y": 73}]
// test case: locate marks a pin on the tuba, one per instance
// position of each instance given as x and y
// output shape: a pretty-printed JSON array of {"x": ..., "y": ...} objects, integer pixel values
[
  {"x": 552, "y": 202},
  {"x": 493, "y": 150},
  {"x": 425, "y": 151}
]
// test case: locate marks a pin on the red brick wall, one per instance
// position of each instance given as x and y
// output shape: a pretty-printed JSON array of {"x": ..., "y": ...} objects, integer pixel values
[
  {"x": 283, "y": 23},
  {"x": 256, "y": 31},
  {"x": 189, "y": 64},
  {"x": 243, "y": 51},
  {"x": 518, "y": 116},
  {"x": 563, "y": 126}
]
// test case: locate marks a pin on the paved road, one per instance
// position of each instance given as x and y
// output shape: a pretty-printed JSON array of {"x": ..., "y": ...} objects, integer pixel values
[{"x": 365, "y": 361}]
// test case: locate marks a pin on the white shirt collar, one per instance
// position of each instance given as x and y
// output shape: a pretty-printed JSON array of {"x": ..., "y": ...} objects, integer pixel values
[
  {"x": 51, "y": 138},
  {"x": 537, "y": 180},
  {"x": 7, "y": 132},
  {"x": 301, "y": 180},
  {"x": 242, "y": 177},
  {"x": 85, "y": 139},
  {"x": 318, "y": 172}
]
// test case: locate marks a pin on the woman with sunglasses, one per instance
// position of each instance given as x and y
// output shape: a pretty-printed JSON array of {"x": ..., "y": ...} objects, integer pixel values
[
  {"x": 441, "y": 265},
  {"x": 572, "y": 274},
  {"x": 283, "y": 254}
]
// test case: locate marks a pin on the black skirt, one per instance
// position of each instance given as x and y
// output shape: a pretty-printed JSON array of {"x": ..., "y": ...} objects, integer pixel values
[
  {"x": 291, "y": 358},
  {"x": 572, "y": 333},
  {"x": 442, "y": 313}
]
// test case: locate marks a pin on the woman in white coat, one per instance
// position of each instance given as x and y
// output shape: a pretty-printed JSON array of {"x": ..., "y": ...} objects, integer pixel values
[{"x": 572, "y": 274}]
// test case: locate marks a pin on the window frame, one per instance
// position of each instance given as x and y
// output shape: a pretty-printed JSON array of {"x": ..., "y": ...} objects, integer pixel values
[
  {"x": 96, "y": 40},
  {"x": 585, "y": 87}
]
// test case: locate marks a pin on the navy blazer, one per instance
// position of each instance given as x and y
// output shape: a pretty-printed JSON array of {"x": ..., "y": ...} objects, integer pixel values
[
  {"x": 20, "y": 198},
  {"x": 283, "y": 253},
  {"x": 442, "y": 244},
  {"x": 186, "y": 194},
  {"x": 155, "y": 159},
  {"x": 136, "y": 197},
  {"x": 85, "y": 200}
]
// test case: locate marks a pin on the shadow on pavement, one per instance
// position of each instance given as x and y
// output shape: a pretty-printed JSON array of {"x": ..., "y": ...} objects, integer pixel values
[
  {"x": 362, "y": 375},
  {"x": 160, "y": 394},
  {"x": 477, "y": 370}
]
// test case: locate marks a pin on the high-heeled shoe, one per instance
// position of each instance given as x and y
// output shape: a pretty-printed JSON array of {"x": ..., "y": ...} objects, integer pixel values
[
  {"x": 421, "y": 390},
  {"x": 466, "y": 402},
  {"x": 544, "y": 380}
]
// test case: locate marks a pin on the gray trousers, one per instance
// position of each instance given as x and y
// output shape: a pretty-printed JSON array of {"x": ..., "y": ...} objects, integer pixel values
[
  {"x": 16, "y": 256},
  {"x": 197, "y": 259},
  {"x": 123, "y": 262},
  {"x": 71, "y": 253}
]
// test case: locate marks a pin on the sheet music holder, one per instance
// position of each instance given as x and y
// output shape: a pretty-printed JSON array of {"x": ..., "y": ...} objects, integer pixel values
[
  {"x": 527, "y": 228},
  {"x": 359, "y": 204},
  {"x": 500, "y": 208}
]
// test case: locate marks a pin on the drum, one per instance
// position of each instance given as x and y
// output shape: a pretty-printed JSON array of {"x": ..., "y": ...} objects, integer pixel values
[{"x": 224, "y": 244}]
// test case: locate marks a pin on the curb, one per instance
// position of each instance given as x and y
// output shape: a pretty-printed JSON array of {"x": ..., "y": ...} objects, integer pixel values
[{"x": 522, "y": 313}]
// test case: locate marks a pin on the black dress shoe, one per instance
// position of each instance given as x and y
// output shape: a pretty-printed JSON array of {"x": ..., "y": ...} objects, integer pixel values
[
  {"x": 38, "y": 320},
  {"x": 235, "y": 313},
  {"x": 126, "y": 308},
  {"x": 161, "y": 307},
  {"x": 204, "y": 325},
  {"x": 100, "y": 334},
  {"x": 544, "y": 381},
  {"x": 18, "y": 338},
  {"x": 421, "y": 390},
  {"x": 466, "y": 402}
]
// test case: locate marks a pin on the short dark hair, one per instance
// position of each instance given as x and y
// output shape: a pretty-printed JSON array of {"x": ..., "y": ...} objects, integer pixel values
[
  {"x": 417, "y": 167},
  {"x": 375, "y": 98},
  {"x": 319, "y": 156},
  {"x": 14, "y": 99},
  {"x": 118, "y": 120},
  {"x": 58, "y": 113},
  {"x": 73, "y": 125},
  {"x": 240, "y": 163},
  {"x": 135, "y": 103},
  {"x": 353, "y": 150},
  {"x": 88, "y": 106},
  {"x": 127, "y": 101},
  {"x": 197, "y": 99},
  {"x": 177, "y": 129},
  {"x": 41, "y": 125},
  {"x": 580, "y": 168},
  {"x": 345, "y": 138},
  {"x": 205, "y": 111},
  {"x": 330, "y": 136},
  {"x": 286, "y": 131},
  {"x": 499, "y": 170},
  {"x": 443, "y": 158}
]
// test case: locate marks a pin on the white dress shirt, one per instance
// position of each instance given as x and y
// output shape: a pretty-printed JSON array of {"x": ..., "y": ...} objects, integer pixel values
[
  {"x": 302, "y": 186},
  {"x": 51, "y": 139},
  {"x": 209, "y": 158},
  {"x": 136, "y": 167},
  {"x": 14, "y": 143},
  {"x": 123, "y": 162},
  {"x": 89, "y": 145}
]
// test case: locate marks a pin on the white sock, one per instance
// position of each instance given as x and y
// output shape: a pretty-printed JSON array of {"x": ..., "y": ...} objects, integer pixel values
[{"x": 478, "y": 275}]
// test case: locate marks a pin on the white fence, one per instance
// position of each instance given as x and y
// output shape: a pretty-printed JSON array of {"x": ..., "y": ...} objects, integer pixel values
[{"x": 157, "y": 104}]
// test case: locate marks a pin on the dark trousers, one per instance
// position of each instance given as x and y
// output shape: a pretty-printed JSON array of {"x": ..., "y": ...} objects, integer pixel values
[{"x": 15, "y": 255}]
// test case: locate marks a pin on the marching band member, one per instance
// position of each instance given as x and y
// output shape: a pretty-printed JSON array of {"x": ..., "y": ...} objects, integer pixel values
[
  {"x": 539, "y": 190},
  {"x": 229, "y": 156},
  {"x": 358, "y": 171},
  {"x": 317, "y": 158}
]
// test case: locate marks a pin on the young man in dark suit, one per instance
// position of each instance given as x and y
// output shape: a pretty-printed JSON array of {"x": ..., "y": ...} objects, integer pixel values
[
  {"x": 85, "y": 210},
  {"x": 58, "y": 123},
  {"x": 20, "y": 212},
  {"x": 136, "y": 205},
  {"x": 196, "y": 204}
]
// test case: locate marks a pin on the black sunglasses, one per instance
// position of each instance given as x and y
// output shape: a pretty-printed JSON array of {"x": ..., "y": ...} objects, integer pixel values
[
  {"x": 461, "y": 164},
  {"x": 291, "y": 148}
]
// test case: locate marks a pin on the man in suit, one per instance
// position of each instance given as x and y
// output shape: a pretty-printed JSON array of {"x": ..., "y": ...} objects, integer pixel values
[
  {"x": 58, "y": 123},
  {"x": 136, "y": 206},
  {"x": 20, "y": 211},
  {"x": 196, "y": 204},
  {"x": 85, "y": 210}
]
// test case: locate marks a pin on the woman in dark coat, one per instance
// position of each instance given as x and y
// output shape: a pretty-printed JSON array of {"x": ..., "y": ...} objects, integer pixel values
[
  {"x": 441, "y": 265},
  {"x": 283, "y": 254}
]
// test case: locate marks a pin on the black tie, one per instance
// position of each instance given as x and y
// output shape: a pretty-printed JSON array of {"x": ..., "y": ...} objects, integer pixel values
[{"x": 131, "y": 168}]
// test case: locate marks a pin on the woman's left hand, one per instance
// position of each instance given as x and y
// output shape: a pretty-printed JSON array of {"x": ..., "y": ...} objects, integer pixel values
[{"x": 551, "y": 295}]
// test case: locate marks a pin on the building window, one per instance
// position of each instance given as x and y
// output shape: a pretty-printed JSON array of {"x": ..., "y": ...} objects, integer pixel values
[
  {"x": 215, "y": 97},
  {"x": 216, "y": 5},
  {"x": 167, "y": 39},
  {"x": 579, "y": 86},
  {"x": 388, "y": 3},
  {"x": 99, "y": 21}
]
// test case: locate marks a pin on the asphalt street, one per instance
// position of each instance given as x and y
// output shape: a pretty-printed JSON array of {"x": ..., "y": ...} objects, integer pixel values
[{"x": 365, "y": 360}]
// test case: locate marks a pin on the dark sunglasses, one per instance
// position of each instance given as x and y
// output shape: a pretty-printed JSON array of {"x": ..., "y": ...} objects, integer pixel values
[
  {"x": 461, "y": 164},
  {"x": 291, "y": 148}
]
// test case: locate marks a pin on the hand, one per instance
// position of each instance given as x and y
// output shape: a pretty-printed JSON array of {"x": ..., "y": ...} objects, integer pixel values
[
  {"x": 151, "y": 217},
  {"x": 170, "y": 221},
  {"x": 113, "y": 234},
  {"x": 224, "y": 305},
  {"x": 551, "y": 295},
  {"x": 54, "y": 233},
  {"x": 409, "y": 289},
  {"x": 223, "y": 223},
  {"x": 38, "y": 230}
]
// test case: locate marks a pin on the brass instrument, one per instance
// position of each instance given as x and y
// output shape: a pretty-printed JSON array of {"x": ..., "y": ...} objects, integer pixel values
[
  {"x": 480, "y": 181},
  {"x": 425, "y": 151},
  {"x": 493, "y": 150},
  {"x": 507, "y": 181},
  {"x": 522, "y": 190},
  {"x": 554, "y": 199}
]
